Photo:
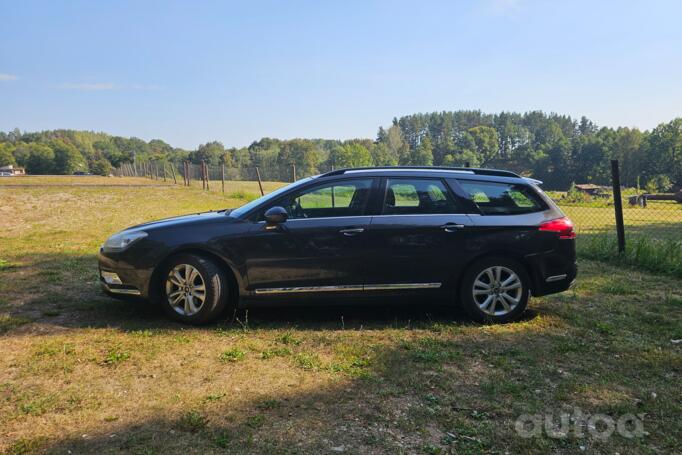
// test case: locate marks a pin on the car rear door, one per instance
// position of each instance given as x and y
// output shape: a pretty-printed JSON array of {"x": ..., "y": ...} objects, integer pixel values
[
  {"x": 320, "y": 248},
  {"x": 420, "y": 237}
]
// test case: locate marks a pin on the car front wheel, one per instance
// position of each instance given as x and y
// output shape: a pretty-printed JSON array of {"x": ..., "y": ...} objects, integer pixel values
[
  {"x": 194, "y": 289},
  {"x": 495, "y": 290}
]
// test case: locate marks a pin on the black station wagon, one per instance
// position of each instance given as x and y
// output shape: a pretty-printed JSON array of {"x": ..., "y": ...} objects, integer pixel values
[{"x": 482, "y": 239}]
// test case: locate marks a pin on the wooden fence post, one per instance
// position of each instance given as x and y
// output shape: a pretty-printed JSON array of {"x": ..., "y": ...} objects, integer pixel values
[
  {"x": 260, "y": 183},
  {"x": 222, "y": 176},
  {"x": 203, "y": 176},
  {"x": 172, "y": 166},
  {"x": 293, "y": 167},
  {"x": 207, "y": 176},
  {"x": 618, "y": 205}
]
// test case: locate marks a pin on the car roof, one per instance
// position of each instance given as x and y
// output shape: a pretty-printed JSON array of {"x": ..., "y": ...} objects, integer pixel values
[{"x": 495, "y": 175}]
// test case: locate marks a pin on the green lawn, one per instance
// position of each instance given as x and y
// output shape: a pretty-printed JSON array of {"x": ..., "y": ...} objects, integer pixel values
[{"x": 82, "y": 373}]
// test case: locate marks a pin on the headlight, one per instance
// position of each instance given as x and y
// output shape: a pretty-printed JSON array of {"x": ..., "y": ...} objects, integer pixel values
[{"x": 122, "y": 240}]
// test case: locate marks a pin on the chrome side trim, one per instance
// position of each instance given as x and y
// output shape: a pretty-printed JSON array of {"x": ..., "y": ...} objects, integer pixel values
[
  {"x": 551, "y": 279},
  {"x": 383, "y": 287},
  {"x": 428, "y": 214},
  {"x": 348, "y": 288},
  {"x": 296, "y": 290},
  {"x": 121, "y": 291}
]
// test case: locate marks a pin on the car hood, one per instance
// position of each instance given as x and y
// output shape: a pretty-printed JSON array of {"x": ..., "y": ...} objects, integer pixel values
[{"x": 204, "y": 217}]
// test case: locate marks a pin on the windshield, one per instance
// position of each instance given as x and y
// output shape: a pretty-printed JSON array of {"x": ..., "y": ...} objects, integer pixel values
[{"x": 236, "y": 213}]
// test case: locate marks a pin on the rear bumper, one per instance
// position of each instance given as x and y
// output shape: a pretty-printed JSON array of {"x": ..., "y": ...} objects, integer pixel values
[
  {"x": 552, "y": 273},
  {"x": 556, "y": 283}
]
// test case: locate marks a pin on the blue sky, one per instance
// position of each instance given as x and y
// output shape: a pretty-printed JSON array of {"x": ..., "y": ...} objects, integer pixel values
[{"x": 190, "y": 72}]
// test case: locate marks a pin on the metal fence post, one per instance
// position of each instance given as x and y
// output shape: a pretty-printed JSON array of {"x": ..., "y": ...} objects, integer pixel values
[{"x": 618, "y": 205}]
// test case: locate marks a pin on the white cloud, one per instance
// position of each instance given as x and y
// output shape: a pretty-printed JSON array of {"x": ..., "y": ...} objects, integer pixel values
[
  {"x": 90, "y": 87},
  {"x": 99, "y": 86},
  {"x": 7, "y": 77}
]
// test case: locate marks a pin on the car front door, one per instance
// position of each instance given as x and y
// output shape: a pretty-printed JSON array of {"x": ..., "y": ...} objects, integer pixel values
[
  {"x": 420, "y": 238},
  {"x": 321, "y": 246}
]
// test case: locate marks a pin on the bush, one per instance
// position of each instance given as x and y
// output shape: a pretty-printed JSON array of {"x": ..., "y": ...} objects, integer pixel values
[
  {"x": 575, "y": 196},
  {"x": 101, "y": 167},
  {"x": 659, "y": 184}
]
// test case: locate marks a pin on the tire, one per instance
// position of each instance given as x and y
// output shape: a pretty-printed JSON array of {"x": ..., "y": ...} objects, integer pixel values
[
  {"x": 189, "y": 274},
  {"x": 504, "y": 303}
]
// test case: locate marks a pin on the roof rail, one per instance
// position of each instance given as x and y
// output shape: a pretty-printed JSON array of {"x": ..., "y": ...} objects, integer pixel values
[{"x": 467, "y": 170}]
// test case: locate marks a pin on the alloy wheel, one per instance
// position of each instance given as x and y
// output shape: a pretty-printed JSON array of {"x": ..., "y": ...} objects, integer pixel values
[
  {"x": 497, "y": 290},
  {"x": 185, "y": 289}
]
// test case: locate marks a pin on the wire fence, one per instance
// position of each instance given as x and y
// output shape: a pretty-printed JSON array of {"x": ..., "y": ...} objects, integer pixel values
[
  {"x": 625, "y": 213},
  {"x": 193, "y": 172},
  {"x": 594, "y": 209}
]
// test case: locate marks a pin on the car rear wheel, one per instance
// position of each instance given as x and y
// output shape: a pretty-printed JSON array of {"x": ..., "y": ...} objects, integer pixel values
[
  {"x": 194, "y": 289},
  {"x": 495, "y": 290}
]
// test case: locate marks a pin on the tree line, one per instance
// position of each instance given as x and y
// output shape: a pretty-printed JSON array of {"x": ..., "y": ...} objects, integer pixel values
[{"x": 554, "y": 148}]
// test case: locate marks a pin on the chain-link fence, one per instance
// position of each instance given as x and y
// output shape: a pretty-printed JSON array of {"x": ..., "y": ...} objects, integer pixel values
[
  {"x": 635, "y": 227},
  {"x": 203, "y": 174},
  {"x": 593, "y": 209}
]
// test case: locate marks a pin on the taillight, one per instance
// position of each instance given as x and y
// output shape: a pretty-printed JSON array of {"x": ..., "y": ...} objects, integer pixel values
[{"x": 562, "y": 226}]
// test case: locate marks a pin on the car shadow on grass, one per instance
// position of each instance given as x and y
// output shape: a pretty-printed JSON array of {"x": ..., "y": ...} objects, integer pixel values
[{"x": 64, "y": 291}]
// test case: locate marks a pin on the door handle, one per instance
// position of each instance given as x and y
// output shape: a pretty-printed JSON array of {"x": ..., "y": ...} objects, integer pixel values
[
  {"x": 351, "y": 231},
  {"x": 451, "y": 227}
]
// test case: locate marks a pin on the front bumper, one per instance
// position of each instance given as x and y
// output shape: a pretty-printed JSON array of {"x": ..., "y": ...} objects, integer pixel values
[{"x": 117, "y": 280}]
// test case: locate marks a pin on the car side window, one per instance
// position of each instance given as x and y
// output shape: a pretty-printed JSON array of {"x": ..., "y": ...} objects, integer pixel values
[
  {"x": 496, "y": 198},
  {"x": 332, "y": 199},
  {"x": 417, "y": 196}
]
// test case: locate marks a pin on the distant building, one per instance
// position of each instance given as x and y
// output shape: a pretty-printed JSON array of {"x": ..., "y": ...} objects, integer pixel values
[
  {"x": 591, "y": 189},
  {"x": 13, "y": 170}
]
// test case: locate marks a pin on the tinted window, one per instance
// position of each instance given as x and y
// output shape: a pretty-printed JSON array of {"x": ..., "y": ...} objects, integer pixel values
[
  {"x": 346, "y": 198},
  {"x": 417, "y": 196},
  {"x": 236, "y": 213},
  {"x": 493, "y": 198}
]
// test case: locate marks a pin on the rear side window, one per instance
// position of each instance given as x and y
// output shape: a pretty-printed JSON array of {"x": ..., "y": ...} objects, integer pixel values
[
  {"x": 417, "y": 196},
  {"x": 494, "y": 198}
]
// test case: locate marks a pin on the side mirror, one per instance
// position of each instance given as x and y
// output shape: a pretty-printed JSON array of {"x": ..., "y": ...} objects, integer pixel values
[{"x": 276, "y": 215}]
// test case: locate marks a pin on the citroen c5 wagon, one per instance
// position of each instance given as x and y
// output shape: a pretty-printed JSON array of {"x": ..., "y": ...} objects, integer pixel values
[{"x": 483, "y": 239}]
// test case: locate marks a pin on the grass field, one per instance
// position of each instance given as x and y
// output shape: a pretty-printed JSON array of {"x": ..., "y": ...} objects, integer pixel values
[{"x": 82, "y": 373}]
